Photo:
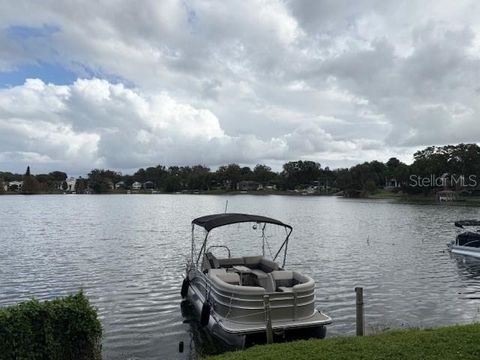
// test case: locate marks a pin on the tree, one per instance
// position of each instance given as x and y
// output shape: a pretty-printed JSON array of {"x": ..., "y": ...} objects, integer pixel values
[
  {"x": 343, "y": 179},
  {"x": 300, "y": 172},
  {"x": 246, "y": 173},
  {"x": 451, "y": 160},
  {"x": 393, "y": 163},
  {"x": 229, "y": 174},
  {"x": 464, "y": 159},
  {"x": 140, "y": 175},
  {"x": 58, "y": 176},
  {"x": 370, "y": 186},
  {"x": 8, "y": 176},
  {"x": 81, "y": 185},
  {"x": 102, "y": 181},
  {"x": 155, "y": 174},
  {"x": 263, "y": 173},
  {"x": 29, "y": 183},
  {"x": 172, "y": 184},
  {"x": 198, "y": 178},
  {"x": 368, "y": 176},
  {"x": 362, "y": 178}
]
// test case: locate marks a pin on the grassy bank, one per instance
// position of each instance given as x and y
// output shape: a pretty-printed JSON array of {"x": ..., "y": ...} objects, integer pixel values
[{"x": 453, "y": 342}]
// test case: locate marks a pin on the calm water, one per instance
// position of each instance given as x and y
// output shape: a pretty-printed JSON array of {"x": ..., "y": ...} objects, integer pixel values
[{"x": 128, "y": 253}]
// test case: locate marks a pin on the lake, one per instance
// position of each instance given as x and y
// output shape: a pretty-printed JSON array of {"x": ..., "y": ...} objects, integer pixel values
[{"x": 128, "y": 253}]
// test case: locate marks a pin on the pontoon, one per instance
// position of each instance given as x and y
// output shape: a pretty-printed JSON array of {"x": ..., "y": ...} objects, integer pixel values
[
  {"x": 234, "y": 296},
  {"x": 468, "y": 242}
]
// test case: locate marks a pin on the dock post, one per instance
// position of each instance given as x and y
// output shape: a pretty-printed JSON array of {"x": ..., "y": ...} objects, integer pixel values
[
  {"x": 268, "y": 319},
  {"x": 360, "y": 313}
]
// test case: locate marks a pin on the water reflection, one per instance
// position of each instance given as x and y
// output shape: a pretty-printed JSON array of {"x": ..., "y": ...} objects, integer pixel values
[
  {"x": 469, "y": 267},
  {"x": 200, "y": 342}
]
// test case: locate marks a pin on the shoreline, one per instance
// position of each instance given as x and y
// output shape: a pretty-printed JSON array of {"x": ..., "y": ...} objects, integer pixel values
[{"x": 419, "y": 199}]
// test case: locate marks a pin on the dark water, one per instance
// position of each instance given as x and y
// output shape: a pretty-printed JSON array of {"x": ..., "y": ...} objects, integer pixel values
[{"x": 128, "y": 253}]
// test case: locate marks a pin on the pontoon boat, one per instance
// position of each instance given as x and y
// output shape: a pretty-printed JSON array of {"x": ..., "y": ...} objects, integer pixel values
[
  {"x": 235, "y": 295},
  {"x": 468, "y": 242}
]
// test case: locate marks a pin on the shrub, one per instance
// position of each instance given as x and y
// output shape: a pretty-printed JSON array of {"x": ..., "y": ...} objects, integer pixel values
[{"x": 62, "y": 329}]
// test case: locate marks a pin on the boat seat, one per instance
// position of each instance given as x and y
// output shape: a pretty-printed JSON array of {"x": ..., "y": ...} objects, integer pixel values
[
  {"x": 264, "y": 280},
  {"x": 285, "y": 289},
  {"x": 217, "y": 272},
  {"x": 259, "y": 273},
  {"x": 231, "y": 278},
  {"x": 252, "y": 261},
  {"x": 229, "y": 262},
  {"x": 284, "y": 279},
  {"x": 261, "y": 263},
  {"x": 268, "y": 265}
]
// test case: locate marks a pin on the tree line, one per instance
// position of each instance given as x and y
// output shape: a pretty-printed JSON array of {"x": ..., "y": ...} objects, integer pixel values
[
  {"x": 201, "y": 178},
  {"x": 450, "y": 167},
  {"x": 446, "y": 162}
]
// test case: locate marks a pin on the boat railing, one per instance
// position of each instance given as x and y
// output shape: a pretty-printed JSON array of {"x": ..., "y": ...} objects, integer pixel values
[
  {"x": 221, "y": 247},
  {"x": 470, "y": 243},
  {"x": 234, "y": 301}
]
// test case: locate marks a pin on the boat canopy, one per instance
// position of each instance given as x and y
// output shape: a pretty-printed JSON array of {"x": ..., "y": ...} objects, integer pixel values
[
  {"x": 210, "y": 222},
  {"x": 463, "y": 223}
]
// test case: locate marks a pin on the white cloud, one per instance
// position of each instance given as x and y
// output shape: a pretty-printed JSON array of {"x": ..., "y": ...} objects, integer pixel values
[
  {"x": 253, "y": 80},
  {"x": 95, "y": 123}
]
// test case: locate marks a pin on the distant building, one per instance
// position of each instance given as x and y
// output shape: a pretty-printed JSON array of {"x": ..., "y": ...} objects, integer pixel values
[
  {"x": 270, "y": 187},
  {"x": 446, "y": 195},
  {"x": 71, "y": 183},
  {"x": 136, "y": 185},
  {"x": 391, "y": 184},
  {"x": 15, "y": 186},
  {"x": 148, "y": 185},
  {"x": 120, "y": 185},
  {"x": 215, "y": 185},
  {"x": 322, "y": 184},
  {"x": 110, "y": 184},
  {"x": 249, "y": 186}
]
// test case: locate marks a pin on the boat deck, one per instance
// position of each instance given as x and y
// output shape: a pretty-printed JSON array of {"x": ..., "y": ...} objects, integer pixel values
[{"x": 232, "y": 326}]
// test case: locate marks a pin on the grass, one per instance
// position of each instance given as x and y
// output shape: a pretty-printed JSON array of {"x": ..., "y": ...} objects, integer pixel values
[{"x": 453, "y": 342}]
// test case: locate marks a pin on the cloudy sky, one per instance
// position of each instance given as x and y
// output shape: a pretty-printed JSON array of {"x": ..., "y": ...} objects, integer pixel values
[{"x": 127, "y": 84}]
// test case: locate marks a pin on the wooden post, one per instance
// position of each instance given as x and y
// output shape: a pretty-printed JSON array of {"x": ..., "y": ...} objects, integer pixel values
[
  {"x": 268, "y": 319},
  {"x": 360, "y": 314}
]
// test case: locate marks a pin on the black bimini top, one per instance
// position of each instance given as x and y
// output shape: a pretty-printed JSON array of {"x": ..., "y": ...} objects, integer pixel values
[
  {"x": 463, "y": 223},
  {"x": 210, "y": 222}
]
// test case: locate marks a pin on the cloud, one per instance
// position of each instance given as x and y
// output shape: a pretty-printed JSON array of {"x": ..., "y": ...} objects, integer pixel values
[
  {"x": 244, "y": 81},
  {"x": 96, "y": 123}
]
